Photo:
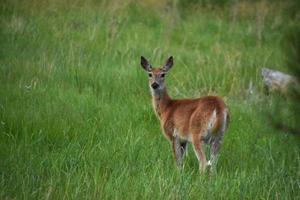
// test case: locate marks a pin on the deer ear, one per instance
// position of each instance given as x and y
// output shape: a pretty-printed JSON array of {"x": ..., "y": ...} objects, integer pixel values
[
  {"x": 145, "y": 64},
  {"x": 168, "y": 64}
]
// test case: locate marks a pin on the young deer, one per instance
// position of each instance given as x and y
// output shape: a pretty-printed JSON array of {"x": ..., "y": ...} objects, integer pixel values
[{"x": 199, "y": 121}]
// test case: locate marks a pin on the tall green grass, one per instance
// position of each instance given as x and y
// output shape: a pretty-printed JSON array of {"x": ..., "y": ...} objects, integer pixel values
[{"x": 76, "y": 120}]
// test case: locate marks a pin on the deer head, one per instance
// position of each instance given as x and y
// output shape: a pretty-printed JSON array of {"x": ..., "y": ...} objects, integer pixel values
[{"x": 156, "y": 75}]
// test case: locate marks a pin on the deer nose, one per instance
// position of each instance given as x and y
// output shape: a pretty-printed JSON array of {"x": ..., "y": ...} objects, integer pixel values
[{"x": 154, "y": 85}]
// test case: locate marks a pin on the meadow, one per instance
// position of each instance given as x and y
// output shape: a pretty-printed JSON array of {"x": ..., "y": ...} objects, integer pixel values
[{"x": 76, "y": 120}]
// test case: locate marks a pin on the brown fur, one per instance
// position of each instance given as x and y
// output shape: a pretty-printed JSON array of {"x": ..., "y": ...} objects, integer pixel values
[{"x": 188, "y": 120}]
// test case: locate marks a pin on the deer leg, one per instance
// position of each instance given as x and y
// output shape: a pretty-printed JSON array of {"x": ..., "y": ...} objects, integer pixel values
[
  {"x": 179, "y": 149},
  {"x": 198, "y": 146},
  {"x": 215, "y": 148},
  {"x": 216, "y": 144},
  {"x": 183, "y": 148}
]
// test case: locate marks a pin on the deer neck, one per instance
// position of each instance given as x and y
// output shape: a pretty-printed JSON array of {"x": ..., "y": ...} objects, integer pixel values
[{"x": 160, "y": 100}]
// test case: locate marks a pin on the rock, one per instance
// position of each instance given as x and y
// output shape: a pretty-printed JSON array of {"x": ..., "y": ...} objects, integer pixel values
[{"x": 278, "y": 81}]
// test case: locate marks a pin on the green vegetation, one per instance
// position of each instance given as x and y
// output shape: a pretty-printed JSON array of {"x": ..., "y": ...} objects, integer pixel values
[{"x": 76, "y": 120}]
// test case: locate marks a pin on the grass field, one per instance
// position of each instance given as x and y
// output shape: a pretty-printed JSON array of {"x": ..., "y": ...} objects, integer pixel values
[{"x": 76, "y": 120}]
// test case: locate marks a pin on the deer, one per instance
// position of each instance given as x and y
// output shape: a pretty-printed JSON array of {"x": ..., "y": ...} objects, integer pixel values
[{"x": 201, "y": 121}]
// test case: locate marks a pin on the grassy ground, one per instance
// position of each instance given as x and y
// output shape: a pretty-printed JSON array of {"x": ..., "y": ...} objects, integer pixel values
[{"x": 75, "y": 109}]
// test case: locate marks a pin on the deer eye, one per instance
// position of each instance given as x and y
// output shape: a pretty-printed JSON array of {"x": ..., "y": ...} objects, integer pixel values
[
  {"x": 150, "y": 75},
  {"x": 162, "y": 75}
]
